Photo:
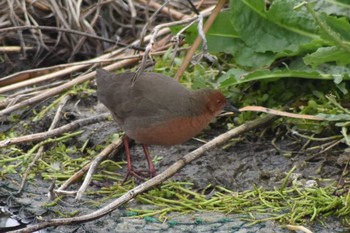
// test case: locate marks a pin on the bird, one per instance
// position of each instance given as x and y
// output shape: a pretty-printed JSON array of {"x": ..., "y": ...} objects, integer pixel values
[{"x": 156, "y": 110}]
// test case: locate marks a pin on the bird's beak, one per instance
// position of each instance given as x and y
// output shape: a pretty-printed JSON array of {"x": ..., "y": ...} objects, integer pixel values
[{"x": 230, "y": 108}]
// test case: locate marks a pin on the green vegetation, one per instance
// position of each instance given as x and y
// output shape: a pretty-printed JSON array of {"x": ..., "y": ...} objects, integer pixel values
[
  {"x": 294, "y": 204},
  {"x": 286, "y": 54}
]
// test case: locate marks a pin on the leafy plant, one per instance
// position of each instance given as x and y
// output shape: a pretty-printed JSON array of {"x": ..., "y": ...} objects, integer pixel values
[{"x": 265, "y": 40}]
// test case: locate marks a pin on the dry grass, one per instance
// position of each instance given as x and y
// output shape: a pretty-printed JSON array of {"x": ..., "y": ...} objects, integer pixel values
[{"x": 121, "y": 21}]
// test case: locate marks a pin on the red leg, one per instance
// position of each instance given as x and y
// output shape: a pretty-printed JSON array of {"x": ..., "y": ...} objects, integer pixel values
[
  {"x": 151, "y": 168},
  {"x": 127, "y": 152},
  {"x": 130, "y": 171}
]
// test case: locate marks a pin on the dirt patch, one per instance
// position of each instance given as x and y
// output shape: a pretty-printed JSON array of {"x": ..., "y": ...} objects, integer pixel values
[{"x": 256, "y": 161}]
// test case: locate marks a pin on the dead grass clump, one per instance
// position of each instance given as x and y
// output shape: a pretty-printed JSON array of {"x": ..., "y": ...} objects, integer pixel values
[{"x": 30, "y": 48}]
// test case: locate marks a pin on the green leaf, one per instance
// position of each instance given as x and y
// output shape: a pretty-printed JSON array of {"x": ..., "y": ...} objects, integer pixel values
[
  {"x": 334, "y": 117},
  {"x": 333, "y": 7},
  {"x": 221, "y": 36},
  {"x": 328, "y": 54},
  {"x": 238, "y": 76},
  {"x": 256, "y": 35},
  {"x": 342, "y": 88},
  {"x": 222, "y": 26},
  {"x": 338, "y": 25},
  {"x": 275, "y": 30}
]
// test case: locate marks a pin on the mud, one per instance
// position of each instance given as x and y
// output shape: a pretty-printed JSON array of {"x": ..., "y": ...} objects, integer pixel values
[{"x": 254, "y": 160}]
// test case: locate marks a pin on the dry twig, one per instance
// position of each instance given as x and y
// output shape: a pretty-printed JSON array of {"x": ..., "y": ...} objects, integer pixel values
[
  {"x": 82, "y": 78},
  {"x": 298, "y": 228},
  {"x": 102, "y": 156},
  {"x": 55, "y": 132},
  {"x": 41, "y": 149},
  {"x": 198, "y": 40},
  {"x": 155, "y": 33},
  {"x": 166, "y": 10},
  {"x": 280, "y": 113}
]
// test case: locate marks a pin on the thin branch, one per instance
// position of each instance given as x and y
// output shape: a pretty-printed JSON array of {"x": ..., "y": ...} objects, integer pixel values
[
  {"x": 55, "y": 132},
  {"x": 165, "y": 10},
  {"x": 102, "y": 156},
  {"x": 61, "y": 88},
  {"x": 75, "y": 177},
  {"x": 86, "y": 77},
  {"x": 14, "y": 49},
  {"x": 30, "y": 74},
  {"x": 41, "y": 149},
  {"x": 20, "y": 28},
  {"x": 298, "y": 228},
  {"x": 198, "y": 40},
  {"x": 153, "y": 36},
  {"x": 150, "y": 21},
  {"x": 280, "y": 113}
]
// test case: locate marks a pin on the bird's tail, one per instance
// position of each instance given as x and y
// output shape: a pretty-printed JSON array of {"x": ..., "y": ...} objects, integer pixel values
[
  {"x": 102, "y": 77},
  {"x": 103, "y": 80}
]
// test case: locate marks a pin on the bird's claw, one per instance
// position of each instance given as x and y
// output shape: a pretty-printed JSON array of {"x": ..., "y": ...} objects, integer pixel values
[{"x": 139, "y": 175}]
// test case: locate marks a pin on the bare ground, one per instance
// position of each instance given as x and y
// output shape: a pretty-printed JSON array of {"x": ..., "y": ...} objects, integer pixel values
[{"x": 255, "y": 160}]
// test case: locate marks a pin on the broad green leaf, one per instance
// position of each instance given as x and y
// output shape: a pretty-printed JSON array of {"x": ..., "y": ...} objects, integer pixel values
[
  {"x": 248, "y": 57},
  {"x": 303, "y": 49},
  {"x": 222, "y": 26},
  {"x": 333, "y": 7},
  {"x": 275, "y": 30},
  {"x": 256, "y": 35},
  {"x": 328, "y": 54},
  {"x": 334, "y": 30},
  {"x": 238, "y": 76},
  {"x": 335, "y": 70},
  {"x": 221, "y": 36},
  {"x": 338, "y": 25}
]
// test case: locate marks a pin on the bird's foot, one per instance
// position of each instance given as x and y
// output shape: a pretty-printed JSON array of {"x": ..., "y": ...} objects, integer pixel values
[{"x": 139, "y": 175}]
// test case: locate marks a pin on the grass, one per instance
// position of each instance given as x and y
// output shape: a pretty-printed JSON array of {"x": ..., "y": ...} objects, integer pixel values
[{"x": 293, "y": 204}]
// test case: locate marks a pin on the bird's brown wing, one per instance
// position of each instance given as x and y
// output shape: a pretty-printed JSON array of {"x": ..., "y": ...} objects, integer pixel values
[{"x": 153, "y": 97}]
